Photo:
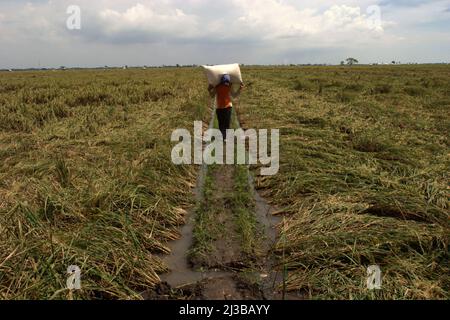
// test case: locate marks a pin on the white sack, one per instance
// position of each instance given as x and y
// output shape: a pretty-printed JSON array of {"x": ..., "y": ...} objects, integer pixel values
[{"x": 215, "y": 73}]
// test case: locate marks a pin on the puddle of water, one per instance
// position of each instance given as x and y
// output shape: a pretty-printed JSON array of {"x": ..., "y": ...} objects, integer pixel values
[
  {"x": 271, "y": 274},
  {"x": 264, "y": 214},
  {"x": 181, "y": 272}
]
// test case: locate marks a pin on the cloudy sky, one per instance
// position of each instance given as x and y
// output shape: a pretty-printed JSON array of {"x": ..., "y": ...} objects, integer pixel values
[{"x": 34, "y": 33}]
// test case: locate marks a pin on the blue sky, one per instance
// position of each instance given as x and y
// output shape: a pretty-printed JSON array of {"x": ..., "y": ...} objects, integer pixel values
[{"x": 152, "y": 32}]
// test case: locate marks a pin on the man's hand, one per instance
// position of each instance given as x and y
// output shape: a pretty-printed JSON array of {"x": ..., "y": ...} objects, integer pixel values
[{"x": 242, "y": 86}]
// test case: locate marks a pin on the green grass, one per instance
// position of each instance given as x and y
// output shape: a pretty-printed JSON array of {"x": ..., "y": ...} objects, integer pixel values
[
  {"x": 244, "y": 214},
  {"x": 206, "y": 227}
]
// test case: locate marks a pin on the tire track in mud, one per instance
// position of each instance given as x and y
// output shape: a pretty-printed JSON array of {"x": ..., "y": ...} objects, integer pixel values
[{"x": 222, "y": 280}]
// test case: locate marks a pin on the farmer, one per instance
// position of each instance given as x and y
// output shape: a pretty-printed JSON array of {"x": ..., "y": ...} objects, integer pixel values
[{"x": 224, "y": 104}]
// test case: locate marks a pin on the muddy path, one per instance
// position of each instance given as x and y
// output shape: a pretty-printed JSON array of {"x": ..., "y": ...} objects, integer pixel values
[
  {"x": 234, "y": 259},
  {"x": 226, "y": 272},
  {"x": 212, "y": 279},
  {"x": 224, "y": 248}
]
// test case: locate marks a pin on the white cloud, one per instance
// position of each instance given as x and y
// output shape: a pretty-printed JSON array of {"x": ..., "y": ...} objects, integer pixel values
[
  {"x": 232, "y": 30},
  {"x": 30, "y": 22},
  {"x": 153, "y": 19},
  {"x": 262, "y": 20},
  {"x": 271, "y": 20}
]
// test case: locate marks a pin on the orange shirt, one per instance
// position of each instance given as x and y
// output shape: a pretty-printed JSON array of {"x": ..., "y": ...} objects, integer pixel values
[{"x": 223, "y": 96}]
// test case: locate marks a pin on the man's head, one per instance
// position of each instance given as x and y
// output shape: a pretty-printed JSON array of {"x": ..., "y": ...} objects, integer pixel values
[{"x": 226, "y": 79}]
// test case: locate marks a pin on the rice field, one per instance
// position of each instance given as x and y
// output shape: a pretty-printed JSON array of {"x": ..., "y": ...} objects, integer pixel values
[
  {"x": 86, "y": 177},
  {"x": 364, "y": 176}
]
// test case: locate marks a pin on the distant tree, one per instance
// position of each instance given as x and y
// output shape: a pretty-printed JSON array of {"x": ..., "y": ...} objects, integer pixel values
[
  {"x": 342, "y": 63},
  {"x": 351, "y": 61},
  {"x": 393, "y": 62}
]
